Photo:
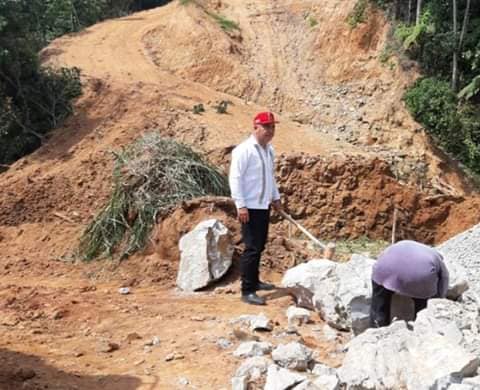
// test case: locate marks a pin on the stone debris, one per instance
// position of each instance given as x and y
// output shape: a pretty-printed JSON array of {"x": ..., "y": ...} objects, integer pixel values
[
  {"x": 183, "y": 381},
  {"x": 422, "y": 361},
  {"x": 463, "y": 251},
  {"x": 253, "y": 368},
  {"x": 293, "y": 356},
  {"x": 124, "y": 290},
  {"x": 223, "y": 343},
  {"x": 322, "y": 369},
  {"x": 243, "y": 335},
  {"x": 297, "y": 316},
  {"x": 253, "y": 348},
  {"x": 279, "y": 378},
  {"x": 438, "y": 350},
  {"x": 106, "y": 346},
  {"x": 132, "y": 337},
  {"x": 205, "y": 255},
  {"x": 255, "y": 322},
  {"x": 341, "y": 291},
  {"x": 329, "y": 333},
  {"x": 154, "y": 341}
]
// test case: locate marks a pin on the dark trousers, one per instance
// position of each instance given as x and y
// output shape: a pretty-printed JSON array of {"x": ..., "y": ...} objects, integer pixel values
[
  {"x": 381, "y": 303},
  {"x": 254, "y": 235}
]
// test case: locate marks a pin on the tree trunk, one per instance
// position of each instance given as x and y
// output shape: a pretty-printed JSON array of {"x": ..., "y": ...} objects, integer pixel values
[
  {"x": 459, "y": 46},
  {"x": 419, "y": 12},
  {"x": 409, "y": 12},
  {"x": 455, "y": 49},
  {"x": 464, "y": 26}
]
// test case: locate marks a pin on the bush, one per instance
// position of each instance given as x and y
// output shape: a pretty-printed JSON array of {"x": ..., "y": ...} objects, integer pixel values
[
  {"x": 358, "y": 14},
  {"x": 223, "y": 22},
  {"x": 150, "y": 178},
  {"x": 434, "y": 105},
  {"x": 40, "y": 104}
]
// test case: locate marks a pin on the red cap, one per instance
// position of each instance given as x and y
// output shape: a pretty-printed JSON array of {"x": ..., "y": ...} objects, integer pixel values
[{"x": 264, "y": 118}]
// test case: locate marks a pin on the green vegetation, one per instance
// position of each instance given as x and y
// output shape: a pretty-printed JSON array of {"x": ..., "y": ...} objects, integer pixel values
[
  {"x": 357, "y": 16},
  {"x": 35, "y": 99},
  {"x": 444, "y": 38},
  {"x": 222, "y": 107},
  {"x": 150, "y": 177},
  {"x": 363, "y": 245},
  {"x": 198, "y": 108},
  {"x": 223, "y": 22},
  {"x": 312, "y": 22}
]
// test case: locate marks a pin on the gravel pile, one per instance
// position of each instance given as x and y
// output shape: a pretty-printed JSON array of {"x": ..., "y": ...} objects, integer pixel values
[{"x": 464, "y": 249}]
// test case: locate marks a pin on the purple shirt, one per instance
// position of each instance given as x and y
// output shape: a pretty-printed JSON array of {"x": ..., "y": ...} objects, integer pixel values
[{"x": 412, "y": 269}]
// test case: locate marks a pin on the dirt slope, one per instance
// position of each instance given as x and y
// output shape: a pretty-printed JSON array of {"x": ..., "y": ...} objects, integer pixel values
[{"x": 348, "y": 155}]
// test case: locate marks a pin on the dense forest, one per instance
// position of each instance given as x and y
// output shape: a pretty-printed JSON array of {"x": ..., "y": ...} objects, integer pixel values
[{"x": 443, "y": 36}]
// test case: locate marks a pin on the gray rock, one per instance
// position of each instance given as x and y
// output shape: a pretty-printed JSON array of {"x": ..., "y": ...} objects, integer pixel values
[
  {"x": 223, "y": 343},
  {"x": 460, "y": 386},
  {"x": 297, "y": 316},
  {"x": 307, "y": 385},
  {"x": 457, "y": 322},
  {"x": 420, "y": 360},
  {"x": 253, "y": 348},
  {"x": 281, "y": 379},
  {"x": 366, "y": 365},
  {"x": 124, "y": 290},
  {"x": 352, "y": 297},
  {"x": 309, "y": 275},
  {"x": 255, "y": 322},
  {"x": 239, "y": 383},
  {"x": 327, "y": 382},
  {"x": 329, "y": 333},
  {"x": 322, "y": 369},
  {"x": 473, "y": 381},
  {"x": 341, "y": 291},
  {"x": 293, "y": 356},
  {"x": 205, "y": 255},
  {"x": 253, "y": 368}
]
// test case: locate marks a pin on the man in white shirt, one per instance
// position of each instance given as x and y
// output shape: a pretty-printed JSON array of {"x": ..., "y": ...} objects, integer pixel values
[{"x": 254, "y": 190}]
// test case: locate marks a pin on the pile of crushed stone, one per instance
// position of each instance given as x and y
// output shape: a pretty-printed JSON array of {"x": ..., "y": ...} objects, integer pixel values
[{"x": 464, "y": 249}]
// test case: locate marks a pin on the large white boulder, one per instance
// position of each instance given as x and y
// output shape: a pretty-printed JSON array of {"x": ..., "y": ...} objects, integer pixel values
[
  {"x": 398, "y": 357},
  {"x": 205, "y": 255},
  {"x": 342, "y": 291}
]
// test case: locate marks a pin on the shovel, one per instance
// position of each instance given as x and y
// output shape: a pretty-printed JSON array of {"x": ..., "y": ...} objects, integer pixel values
[{"x": 328, "y": 249}]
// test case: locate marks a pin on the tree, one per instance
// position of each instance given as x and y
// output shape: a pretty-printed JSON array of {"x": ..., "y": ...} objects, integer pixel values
[
  {"x": 461, "y": 40},
  {"x": 419, "y": 12}
]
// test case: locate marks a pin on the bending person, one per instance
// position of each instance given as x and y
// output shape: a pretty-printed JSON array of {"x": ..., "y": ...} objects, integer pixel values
[{"x": 408, "y": 268}]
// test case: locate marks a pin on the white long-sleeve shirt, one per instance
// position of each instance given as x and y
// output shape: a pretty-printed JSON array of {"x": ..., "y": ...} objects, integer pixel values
[{"x": 252, "y": 175}]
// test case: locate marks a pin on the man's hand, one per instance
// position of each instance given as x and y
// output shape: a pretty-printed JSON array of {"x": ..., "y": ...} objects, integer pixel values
[
  {"x": 243, "y": 215},
  {"x": 277, "y": 205}
]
